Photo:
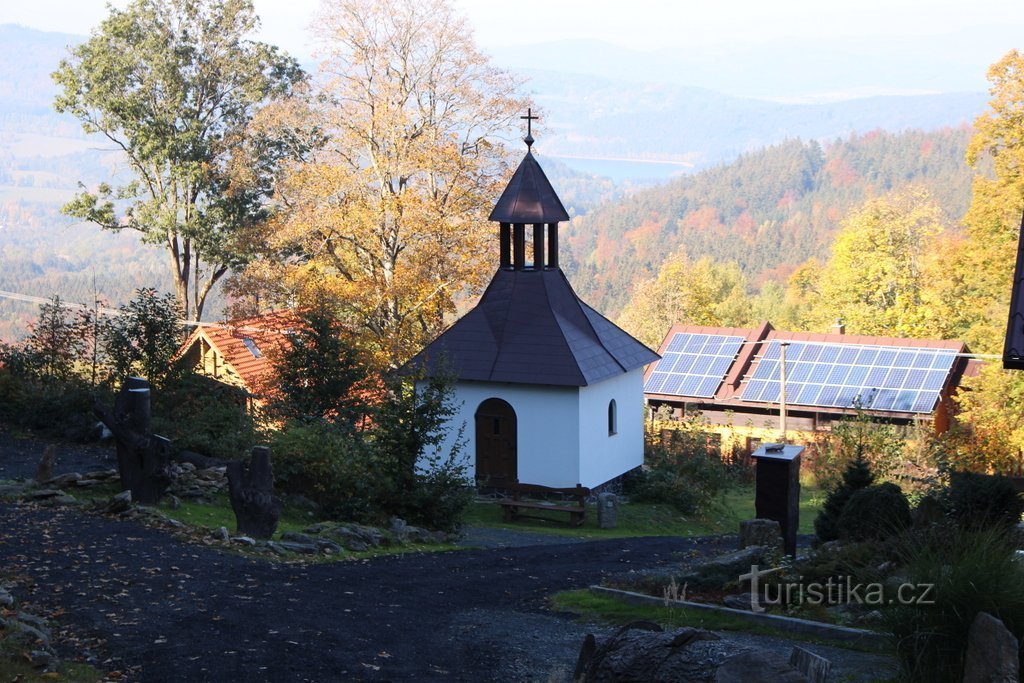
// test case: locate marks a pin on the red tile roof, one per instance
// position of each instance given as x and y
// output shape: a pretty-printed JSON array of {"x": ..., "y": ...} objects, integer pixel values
[{"x": 266, "y": 334}]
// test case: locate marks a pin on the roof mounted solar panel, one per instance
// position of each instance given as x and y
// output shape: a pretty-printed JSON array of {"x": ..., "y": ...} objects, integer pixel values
[
  {"x": 693, "y": 365},
  {"x": 837, "y": 375}
]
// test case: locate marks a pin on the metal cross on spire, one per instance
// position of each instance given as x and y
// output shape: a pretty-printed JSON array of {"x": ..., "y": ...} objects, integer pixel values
[{"x": 530, "y": 118}]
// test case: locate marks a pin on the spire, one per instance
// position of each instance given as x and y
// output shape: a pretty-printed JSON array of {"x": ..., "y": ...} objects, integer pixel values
[{"x": 529, "y": 199}]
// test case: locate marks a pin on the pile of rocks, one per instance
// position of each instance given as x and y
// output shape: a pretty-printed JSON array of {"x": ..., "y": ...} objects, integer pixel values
[
  {"x": 335, "y": 538},
  {"x": 189, "y": 482},
  {"x": 26, "y": 632}
]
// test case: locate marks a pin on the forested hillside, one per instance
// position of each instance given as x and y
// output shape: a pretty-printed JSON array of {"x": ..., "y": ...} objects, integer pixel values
[{"x": 768, "y": 211}]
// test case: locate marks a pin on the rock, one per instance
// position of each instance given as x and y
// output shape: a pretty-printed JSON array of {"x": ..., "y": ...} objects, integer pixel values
[
  {"x": 221, "y": 534},
  {"x": 739, "y": 601},
  {"x": 277, "y": 548},
  {"x": 59, "y": 500},
  {"x": 120, "y": 503},
  {"x": 12, "y": 489},
  {"x": 727, "y": 568},
  {"x": 244, "y": 540},
  {"x": 301, "y": 548},
  {"x": 992, "y": 652},
  {"x": 358, "y": 538},
  {"x": 32, "y": 620},
  {"x": 757, "y": 666},
  {"x": 173, "y": 502},
  {"x": 643, "y": 652},
  {"x": 40, "y": 494},
  {"x": 44, "y": 471},
  {"x": 40, "y": 658},
  {"x": 328, "y": 547},
  {"x": 356, "y": 545},
  {"x": 6, "y": 599},
  {"x": 763, "y": 532},
  {"x": 814, "y": 667},
  {"x": 86, "y": 483},
  {"x": 69, "y": 479},
  {"x": 607, "y": 510},
  {"x": 399, "y": 529},
  {"x": 297, "y": 537},
  {"x": 102, "y": 475},
  {"x": 319, "y": 527},
  {"x": 24, "y": 633}
]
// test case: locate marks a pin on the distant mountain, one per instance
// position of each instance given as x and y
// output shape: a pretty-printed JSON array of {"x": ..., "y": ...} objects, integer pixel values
[
  {"x": 782, "y": 68},
  {"x": 594, "y": 117},
  {"x": 768, "y": 210}
]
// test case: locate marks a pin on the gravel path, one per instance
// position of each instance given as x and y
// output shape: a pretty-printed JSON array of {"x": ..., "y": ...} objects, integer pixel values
[
  {"x": 159, "y": 609},
  {"x": 168, "y": 611}
]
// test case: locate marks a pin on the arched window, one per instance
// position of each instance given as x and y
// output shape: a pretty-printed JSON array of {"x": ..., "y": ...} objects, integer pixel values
[{"x": 613, "y": 425}]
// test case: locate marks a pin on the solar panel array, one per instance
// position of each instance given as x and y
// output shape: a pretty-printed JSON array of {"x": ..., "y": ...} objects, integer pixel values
[
  {"x": 693, "y": 365},
  {"x": 900, "y": 379}
]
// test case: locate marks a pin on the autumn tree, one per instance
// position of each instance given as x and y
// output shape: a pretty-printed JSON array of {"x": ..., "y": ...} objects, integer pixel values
[
  {"x": 699, "y": 292},
  {"x": 389, "y": 216},
  {"x": 874, "y": 277},
  {"x": 175, "y": 85}
]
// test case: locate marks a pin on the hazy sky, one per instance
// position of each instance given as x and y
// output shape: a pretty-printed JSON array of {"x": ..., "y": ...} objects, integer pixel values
[{"x": 638, "y": 24}]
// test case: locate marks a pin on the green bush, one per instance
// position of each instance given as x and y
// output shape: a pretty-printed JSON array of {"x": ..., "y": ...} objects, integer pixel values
[
  {"x": 969, "y": 571},
  {"x": 681, "y": 474},
  {"x": 201, "y": 415},
  {"x": 856, "y": 476},
  {"x": 441, "y": 493},
  {"x": 336, "y": 470},
  {"x": 980, "y": 500},
  {"x": 59, "y": 408},
  {"x": 874, "y": 513}
]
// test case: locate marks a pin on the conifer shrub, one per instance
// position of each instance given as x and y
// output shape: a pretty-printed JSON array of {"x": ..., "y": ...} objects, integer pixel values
[
  {"x": 874, "y": 513},
  {"x": 954, "y": 573},
  {"x": 856, "y": 476},
  {"x": 980, "y": 500}
]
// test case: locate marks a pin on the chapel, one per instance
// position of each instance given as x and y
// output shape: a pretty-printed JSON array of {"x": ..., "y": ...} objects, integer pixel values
[{"x": 548, "y": 390}]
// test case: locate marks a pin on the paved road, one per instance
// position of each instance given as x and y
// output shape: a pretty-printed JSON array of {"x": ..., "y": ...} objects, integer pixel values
[{"x": 176, "y": 612}]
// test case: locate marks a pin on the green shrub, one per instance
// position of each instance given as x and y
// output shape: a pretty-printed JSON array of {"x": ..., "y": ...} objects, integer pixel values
[
  {"x": 205, "y": 416},
  {"x": 970, "y": 571},
  {"x": 980, "y": 500},
  {"x": 336, "y": 470},
  {"x": 680, "y": 473},
  {"x": 856, "y": 476},
  {"x": 874, "y": 513},
  {"x": 59, "y": 408},
  {"x": 442, "y": 492}
]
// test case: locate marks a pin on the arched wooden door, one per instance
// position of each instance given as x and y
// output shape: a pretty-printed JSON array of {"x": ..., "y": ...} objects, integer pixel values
[{"x": 495, "y": 443}]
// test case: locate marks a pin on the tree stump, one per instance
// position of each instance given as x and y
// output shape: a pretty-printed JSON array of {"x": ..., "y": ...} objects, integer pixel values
[
  {"x": 142, "y": 457},
  {"x": 251, "y": 488}
]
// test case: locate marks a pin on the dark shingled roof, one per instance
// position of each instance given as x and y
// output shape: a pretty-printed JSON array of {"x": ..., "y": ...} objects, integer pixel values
[
  {"x": 529, "y": 327},
  {"x": 529, "y": 197}
]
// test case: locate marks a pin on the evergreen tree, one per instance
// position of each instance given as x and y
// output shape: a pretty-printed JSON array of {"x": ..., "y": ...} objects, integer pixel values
[{"x": 857, "y": 476}]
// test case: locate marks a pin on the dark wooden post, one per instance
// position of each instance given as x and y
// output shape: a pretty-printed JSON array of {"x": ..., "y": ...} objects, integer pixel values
[
  {"x": 552, "y": 245},
  {"x": 251, "y": 489},
  {"x": 538, "y": 246},
  {"x": 505, "y": 237},
  {"x": 519, "y": 245},
  {"x": 142, "y": 457},
  {"x": 777, "y": 491}
]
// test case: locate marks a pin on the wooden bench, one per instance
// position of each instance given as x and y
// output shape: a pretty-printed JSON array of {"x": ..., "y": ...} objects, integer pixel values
[{"x": 534, "y": 497}]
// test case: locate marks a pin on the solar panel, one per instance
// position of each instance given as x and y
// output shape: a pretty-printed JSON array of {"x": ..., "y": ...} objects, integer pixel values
[
  {"x": 825, "y": 374},
  {"x": 693, "y": 364}
]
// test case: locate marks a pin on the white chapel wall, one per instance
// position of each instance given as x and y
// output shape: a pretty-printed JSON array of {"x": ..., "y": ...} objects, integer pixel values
[
  {"x": 603, "y": 456},
  {"x": 547, "y": 428}
]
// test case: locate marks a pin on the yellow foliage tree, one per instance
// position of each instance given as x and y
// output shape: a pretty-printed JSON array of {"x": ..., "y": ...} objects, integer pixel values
[
  {"x": 697, "y": 293},
  {"x": 874, "y": 278},
  {"x": 388, "y": 217}
]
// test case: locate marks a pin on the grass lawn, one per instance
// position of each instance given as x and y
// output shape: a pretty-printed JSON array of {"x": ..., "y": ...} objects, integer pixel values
[
  {"x": 609, "y": 610},
  {"x": 647, "y": 519}
]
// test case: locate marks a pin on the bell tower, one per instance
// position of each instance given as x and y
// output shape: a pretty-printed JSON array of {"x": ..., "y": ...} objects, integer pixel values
[{"x": 529, "y": 200}]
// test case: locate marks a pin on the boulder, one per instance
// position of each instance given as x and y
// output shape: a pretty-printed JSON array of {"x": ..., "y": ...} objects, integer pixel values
[
  {"x": 763, "y": 532},
  {"x": 719, "y": 571},
  {"x": 296, "y": 537},
  {"x": 992, "y": 652},
  {"x": 44, "y": 470},
  {"x": 643, "y": 652}
]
